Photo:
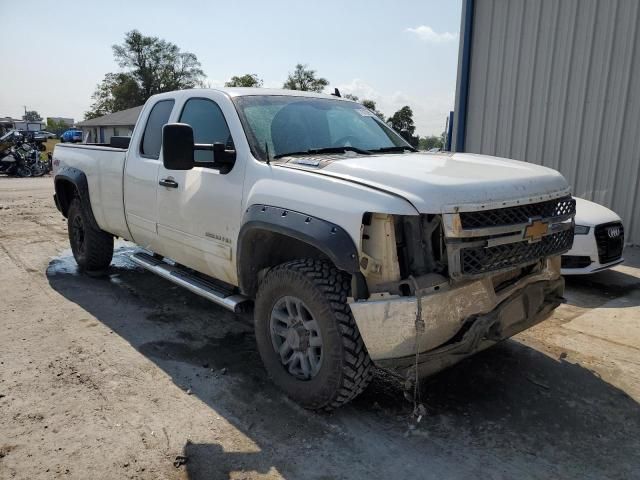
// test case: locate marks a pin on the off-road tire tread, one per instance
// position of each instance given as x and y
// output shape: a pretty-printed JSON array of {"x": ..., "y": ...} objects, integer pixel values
[
  {"x": 99, "y": 244},
  {"x": 335, "y": 285}
]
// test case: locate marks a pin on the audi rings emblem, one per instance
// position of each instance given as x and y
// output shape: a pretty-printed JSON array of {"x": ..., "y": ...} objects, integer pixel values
[{"x": 613, "y": 232}]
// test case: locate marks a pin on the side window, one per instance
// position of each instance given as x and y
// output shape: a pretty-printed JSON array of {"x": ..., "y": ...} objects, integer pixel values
[
  {"x": 209, "y": 126},
  {"x": 152, "y": 136}
]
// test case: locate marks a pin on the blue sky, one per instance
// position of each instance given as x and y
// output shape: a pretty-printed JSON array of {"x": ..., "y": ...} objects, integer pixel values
[{"x": 396, "y": 53}]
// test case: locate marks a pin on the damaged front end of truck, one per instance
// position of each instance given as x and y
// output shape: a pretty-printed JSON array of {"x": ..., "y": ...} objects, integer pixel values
[{"x": 445, "y": 286}]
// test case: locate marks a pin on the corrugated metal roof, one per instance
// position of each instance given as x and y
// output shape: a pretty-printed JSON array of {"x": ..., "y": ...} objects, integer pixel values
[
  {"x": 556, "y": 83},
  {"x": 126, "y": 117}
]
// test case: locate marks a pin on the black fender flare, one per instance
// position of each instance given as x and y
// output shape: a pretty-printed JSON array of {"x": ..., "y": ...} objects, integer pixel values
[
  {"x": 327, "y": 237},
  {"x": 79, "y": 180}
]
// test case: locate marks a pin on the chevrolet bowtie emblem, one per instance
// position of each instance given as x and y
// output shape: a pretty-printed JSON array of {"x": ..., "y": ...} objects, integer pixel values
[{"x": 536, "y": 230}]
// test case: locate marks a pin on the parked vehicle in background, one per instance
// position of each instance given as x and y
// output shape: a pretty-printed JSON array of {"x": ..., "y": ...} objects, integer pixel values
[
  {"x": 353, "y": 248},
  {"x": 8, "y": 140},
  {"x": 44, "y": 135},
  {"x": 71, "y": 136},
  {"x": 21, "y": 156},
  {"x": 598, "y": 241}
]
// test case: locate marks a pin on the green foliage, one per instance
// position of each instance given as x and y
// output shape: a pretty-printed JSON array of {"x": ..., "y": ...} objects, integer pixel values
[
  {"x": 371, "y": 105},
  {"x": 433, "y": 141},
  {"x": 402, "y": 122},
  {"x": 117, "y": 91},
  {"x": 56, "y": 127},
  {"x": 305, "y": 79},
  {"x": 151, "y": 65},
  {"x": 32, "y": 116},
  {"x": 246, "y": 80}
]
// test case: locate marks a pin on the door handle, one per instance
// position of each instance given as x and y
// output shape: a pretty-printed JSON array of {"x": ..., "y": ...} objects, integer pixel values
[{"x": 169, "y": 183}]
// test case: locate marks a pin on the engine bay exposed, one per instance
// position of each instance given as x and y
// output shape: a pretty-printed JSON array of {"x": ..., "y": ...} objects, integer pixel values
[{"x": 402, "y": 254}]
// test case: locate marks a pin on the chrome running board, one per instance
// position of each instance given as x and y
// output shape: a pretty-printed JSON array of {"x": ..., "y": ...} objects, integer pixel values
[{"x": 220, "y": 294}]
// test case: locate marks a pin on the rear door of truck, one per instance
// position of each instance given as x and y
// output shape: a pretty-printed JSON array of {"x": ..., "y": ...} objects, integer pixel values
[{"x": 141, "y": 173}]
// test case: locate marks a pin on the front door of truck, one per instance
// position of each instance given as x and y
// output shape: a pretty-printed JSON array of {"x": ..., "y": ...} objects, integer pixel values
[{"x": 199, "y": 210}]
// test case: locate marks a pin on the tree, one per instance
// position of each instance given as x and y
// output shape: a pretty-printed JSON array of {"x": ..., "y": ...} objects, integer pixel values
[
  {"x": 304, "y": 78},
  {"x": 151, "y": 65},
  {"x": 402, "y": 122},
  {"x": 31, "y": 116},
  {"x": 427, "y": 143},
  {"x": 246, "y": 80},
  {"x": 117, "y": 91},
  {"x": 56, "y": 126},
  {"x": 371, "y": 105}
]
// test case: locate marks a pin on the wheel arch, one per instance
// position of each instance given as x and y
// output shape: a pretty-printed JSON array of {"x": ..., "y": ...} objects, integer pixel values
[
  {"x": 273, "y": 235},
  {"x": 70, "y": 182}
]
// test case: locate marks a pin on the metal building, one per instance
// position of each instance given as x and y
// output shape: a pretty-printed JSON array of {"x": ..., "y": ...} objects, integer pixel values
[{"x": 557, "y": 83}]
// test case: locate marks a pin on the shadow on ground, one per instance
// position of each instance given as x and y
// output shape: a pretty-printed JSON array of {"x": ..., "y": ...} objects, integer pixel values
[
  {"x": 594, "y": 290},
  {"x": 510, "y": 411},
  {"x": 589, "y": 291}
]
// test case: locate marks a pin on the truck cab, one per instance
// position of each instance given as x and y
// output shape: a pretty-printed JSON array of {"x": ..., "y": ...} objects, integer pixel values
[{"x": 352, "y": 248}]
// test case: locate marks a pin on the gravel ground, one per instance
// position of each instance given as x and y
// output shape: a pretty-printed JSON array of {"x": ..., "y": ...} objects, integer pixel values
[{"x": 128, "y": 376}]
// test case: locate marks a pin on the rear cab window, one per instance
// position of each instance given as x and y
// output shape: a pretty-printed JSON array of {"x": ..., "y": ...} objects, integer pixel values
[{"x": 152, "y": 136}]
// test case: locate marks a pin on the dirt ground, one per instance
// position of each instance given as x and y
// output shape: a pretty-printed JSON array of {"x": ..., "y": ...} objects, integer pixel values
[{"x": 128, "y": 376}]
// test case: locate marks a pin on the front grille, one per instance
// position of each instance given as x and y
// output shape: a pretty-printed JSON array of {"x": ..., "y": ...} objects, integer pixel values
[
  {"x": 560, "y": 207},
  {"x": 609, "y": 246},
  {"x": 477, "y": 260}
]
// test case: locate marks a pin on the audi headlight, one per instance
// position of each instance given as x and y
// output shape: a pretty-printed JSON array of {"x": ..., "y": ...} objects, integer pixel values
[{"x": 581, "y": 230}]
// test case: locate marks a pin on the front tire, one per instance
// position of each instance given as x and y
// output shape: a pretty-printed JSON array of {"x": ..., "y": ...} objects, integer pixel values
[
  {"x": 92, "y": 249},
  {"x": 307, "y": 337}
]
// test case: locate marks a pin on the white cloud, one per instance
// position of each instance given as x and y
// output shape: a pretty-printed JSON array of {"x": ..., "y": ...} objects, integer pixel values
[
  {"x": 428, "y": 34},
  {"x": 429, "y": 111}
]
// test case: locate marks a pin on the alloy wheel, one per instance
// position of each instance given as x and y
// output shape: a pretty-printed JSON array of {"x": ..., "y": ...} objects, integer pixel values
[{"x": 296, "y": 337}]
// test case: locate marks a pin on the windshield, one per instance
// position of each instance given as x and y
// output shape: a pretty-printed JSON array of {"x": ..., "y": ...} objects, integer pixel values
[{"x": 285, "y": 124}]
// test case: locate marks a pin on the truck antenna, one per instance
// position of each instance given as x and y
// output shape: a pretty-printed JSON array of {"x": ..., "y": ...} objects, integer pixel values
[{"x": 266, "y": 149}]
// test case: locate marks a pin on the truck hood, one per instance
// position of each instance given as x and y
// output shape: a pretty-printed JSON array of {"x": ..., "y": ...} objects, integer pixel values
[{"x": 447, "y": 182}]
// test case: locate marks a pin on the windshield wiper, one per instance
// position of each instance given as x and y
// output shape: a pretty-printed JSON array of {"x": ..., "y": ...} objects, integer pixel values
[
  {"x": 393, "y": 149},
  {"x": 319, "y": 151}
]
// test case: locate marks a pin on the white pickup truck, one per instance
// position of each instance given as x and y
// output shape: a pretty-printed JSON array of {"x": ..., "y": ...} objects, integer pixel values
[{"x": 353, "y": 248}]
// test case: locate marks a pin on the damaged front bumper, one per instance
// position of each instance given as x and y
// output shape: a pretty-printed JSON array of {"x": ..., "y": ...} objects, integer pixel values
[{"x": 459, "y": 321}]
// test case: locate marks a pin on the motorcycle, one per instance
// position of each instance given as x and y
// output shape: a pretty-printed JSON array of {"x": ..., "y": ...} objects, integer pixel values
[
  {"x": 19, "y": 157},
  {"x": 29, "y": 155},
  {"x": 11, "y": 162},
  {"x": 8, "y": 140},
  {"x": 15, "y": 164}
]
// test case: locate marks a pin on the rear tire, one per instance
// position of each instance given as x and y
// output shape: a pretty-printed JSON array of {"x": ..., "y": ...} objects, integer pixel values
[
  {"x": 338, "y": 368},
  {"x": 38, "y": 169},
  {"x": 92, "y": 249},
  {"x": 24, "y": 172}
]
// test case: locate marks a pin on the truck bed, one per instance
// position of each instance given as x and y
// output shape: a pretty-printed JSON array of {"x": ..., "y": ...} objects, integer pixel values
[{"x": 103, "y": 166}]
